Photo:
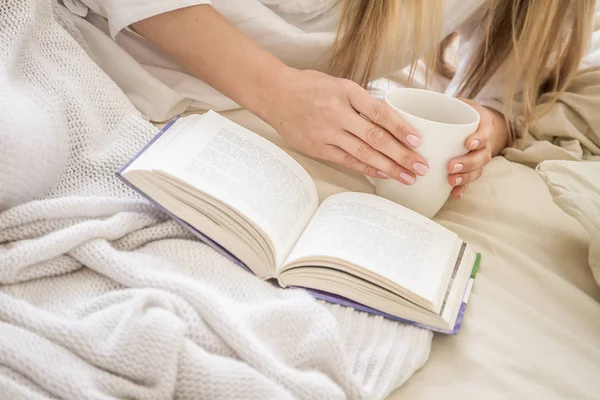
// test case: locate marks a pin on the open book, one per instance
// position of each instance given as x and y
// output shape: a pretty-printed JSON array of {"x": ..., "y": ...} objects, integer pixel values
[{"x": 253, "y": 202}]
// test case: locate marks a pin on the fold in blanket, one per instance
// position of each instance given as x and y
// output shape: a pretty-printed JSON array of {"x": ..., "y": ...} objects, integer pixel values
[{"x": 103, "y": 297}]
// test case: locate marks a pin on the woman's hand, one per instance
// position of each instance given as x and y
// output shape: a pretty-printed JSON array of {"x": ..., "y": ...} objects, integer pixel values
[
  {"x": 314, "y": 112},
  {"x": 489, "y": 140},
  {"x": 321, "y": 116}
]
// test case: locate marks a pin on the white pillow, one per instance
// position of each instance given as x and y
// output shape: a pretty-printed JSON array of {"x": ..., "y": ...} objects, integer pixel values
[{"x": 575, "y": 187}]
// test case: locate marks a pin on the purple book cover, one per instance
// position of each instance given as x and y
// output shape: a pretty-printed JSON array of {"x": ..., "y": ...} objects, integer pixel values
[
  {"x": 333, "y": 298},
  {"x": 329, "y": 297}
]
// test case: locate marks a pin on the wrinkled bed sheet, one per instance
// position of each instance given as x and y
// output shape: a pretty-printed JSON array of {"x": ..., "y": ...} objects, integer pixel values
[{"x": 532, "y": 329}]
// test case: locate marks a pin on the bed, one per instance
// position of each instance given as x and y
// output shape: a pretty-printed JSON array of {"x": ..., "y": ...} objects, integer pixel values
[{"x": 532, "y": 329}]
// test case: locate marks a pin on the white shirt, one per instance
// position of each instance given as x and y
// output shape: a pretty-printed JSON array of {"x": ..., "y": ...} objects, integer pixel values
[{"x": 299, "y": 32}]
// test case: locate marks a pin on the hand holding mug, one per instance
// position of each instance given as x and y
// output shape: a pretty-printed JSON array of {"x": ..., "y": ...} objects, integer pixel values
[
  {"x": 337, "y": 120},
  {"x": 482, "y": 147},
  {"x": 444, "y": 124}
]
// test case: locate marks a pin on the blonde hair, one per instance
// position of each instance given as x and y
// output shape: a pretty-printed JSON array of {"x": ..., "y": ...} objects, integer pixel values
[{"x": 535, "y": 44}]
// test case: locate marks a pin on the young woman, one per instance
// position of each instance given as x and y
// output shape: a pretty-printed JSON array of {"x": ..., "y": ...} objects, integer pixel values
[{"x": 303, "y": 65}]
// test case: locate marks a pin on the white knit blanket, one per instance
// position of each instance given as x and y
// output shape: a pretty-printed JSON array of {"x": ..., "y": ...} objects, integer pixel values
[{"x": 102, "y": 297}]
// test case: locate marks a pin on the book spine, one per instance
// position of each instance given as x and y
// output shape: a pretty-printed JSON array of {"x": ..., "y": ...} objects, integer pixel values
[{"x": 205, "y": 239}]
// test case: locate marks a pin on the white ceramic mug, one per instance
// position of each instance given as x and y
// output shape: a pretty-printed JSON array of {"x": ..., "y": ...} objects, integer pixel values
[{"x": 444, "y": 123}]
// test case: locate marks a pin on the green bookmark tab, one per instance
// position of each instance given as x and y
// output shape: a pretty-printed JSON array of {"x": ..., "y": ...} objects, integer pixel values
[{"x": 476, "y": 266}]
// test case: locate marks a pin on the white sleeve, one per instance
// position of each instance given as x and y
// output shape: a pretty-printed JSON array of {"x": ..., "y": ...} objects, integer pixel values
[{"x": 122, "y": 13}]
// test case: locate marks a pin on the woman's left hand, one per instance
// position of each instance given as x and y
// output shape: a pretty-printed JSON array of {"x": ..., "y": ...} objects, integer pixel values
[{"x": 489, "y": 140}]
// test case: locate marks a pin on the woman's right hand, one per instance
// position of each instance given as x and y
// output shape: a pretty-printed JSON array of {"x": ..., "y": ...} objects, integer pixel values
[
  {"x": 314, "y": 112},
  {"x": 324, "y": 117}
]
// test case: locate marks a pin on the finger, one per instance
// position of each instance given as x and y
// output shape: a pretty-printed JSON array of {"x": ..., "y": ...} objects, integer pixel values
[
  {"x": 466, "y": 178},
  {"x": 368, "y": 155},
  {"x": 382, "y": 141},
  {"x": 485, "y": 131},
  {"x": 381, "y": 114},
  {"x": 339, "y": 156},
  {"x": 474, "y": 142},
  {"x": 470, "y": 162},
  {"x": 479, "y": 139},
  {"x": 459, "y": 191}
]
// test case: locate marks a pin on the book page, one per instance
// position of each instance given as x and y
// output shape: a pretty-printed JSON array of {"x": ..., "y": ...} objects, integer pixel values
[
  {"x": 240, "y": 169},
  {"x": 381, "y": 237}
]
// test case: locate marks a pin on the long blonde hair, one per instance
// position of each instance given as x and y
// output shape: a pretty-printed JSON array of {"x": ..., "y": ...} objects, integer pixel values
[{"x": 538, "y": 44}]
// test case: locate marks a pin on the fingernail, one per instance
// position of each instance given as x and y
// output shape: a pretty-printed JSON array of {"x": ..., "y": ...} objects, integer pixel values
[
  {"x": 409, "y": 179},
  {"x": 474, "y": 144},
  {"x": 420, "y": 169},
  {"x": 413, "y": 140},
  {"x": 458, "y": 181},
  {"x": 457, "y": 168},
  {"x": 383, "y": 175}
]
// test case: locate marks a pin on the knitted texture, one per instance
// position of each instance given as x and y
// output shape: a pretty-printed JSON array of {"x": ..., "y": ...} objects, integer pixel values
[{"x": 101, "y": 296}]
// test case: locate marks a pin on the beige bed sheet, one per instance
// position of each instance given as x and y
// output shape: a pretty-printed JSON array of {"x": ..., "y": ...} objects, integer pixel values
[{"x": 532, "y": 328}]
